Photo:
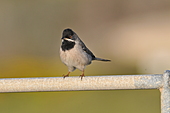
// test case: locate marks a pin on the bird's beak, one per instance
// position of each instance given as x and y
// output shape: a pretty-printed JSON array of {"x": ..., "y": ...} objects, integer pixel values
[{"x": 62, "y": 38}]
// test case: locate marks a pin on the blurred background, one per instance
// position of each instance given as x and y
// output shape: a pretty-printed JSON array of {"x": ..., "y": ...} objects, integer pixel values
[{"x": 134, "y": 34}]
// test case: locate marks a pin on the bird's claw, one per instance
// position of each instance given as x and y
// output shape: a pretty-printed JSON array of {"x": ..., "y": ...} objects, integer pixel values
[
  {"x": 82, "y": 76},
  {"x": 65, "y": 76}
]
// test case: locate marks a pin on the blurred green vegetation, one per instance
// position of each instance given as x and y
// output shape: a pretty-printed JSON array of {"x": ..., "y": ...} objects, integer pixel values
[
  {"x": 134, "y": 34},
  {"x": 121, "y": 101}
]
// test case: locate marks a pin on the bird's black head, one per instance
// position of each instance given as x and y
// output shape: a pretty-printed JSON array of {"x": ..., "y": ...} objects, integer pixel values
[
  {"x": 68, "y": 40},
  {"x": 67, "y": 33}
]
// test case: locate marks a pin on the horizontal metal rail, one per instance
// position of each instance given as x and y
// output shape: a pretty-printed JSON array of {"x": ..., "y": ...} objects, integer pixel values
[
  {"x": 75, "y": 83},
  {"x": 112, "y": 82}
]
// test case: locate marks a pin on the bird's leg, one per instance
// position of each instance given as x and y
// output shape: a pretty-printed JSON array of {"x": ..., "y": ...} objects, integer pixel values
[
  {"x": 66, "y": 75},
  {"x": 82, "y": 75}
]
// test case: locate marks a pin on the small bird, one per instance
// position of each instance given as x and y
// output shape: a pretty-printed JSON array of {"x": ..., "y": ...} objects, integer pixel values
[{"x": 74, "y": 53}]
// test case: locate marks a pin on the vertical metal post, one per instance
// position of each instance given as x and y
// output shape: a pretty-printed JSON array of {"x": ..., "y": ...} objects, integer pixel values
[{"x": 165, "y": 93}]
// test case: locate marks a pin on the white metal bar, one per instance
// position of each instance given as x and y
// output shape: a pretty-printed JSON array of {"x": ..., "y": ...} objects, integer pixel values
[
  {"x": 157, "y": 81},
  {"x": 165, "y": 93},
  {"x": 75, "y": 83}
]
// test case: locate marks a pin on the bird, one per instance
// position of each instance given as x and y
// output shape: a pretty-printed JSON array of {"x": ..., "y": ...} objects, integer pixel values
[{"x": 74, "y": 53}]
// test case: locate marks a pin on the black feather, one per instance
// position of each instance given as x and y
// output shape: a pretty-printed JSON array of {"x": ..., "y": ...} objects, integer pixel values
[
  {"x": 89, "y": 52},
  {"x": 67, "y": 45},
  {"x": 67, "y": 33}
]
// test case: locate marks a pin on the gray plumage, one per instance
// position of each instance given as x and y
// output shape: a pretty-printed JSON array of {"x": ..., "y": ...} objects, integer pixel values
[{"x": 74, "y": 53}]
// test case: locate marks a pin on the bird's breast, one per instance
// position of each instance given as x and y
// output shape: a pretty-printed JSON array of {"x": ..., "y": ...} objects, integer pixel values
[{"x": 75, "y": 56}]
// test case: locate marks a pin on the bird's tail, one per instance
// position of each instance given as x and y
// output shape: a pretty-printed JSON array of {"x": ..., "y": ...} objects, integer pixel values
[{"x": 100, "y": 59}]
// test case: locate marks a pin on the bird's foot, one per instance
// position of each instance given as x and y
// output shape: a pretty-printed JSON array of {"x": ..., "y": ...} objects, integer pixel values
[
  {"x": 82, "y": 76},
  {"x": 66, "y": 75}
]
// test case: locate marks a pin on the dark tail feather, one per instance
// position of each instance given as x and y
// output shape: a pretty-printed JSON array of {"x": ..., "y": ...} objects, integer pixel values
[{"x": 100, "y": 59}]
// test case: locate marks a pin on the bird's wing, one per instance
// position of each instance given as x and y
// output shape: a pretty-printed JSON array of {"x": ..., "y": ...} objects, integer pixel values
[{"x": 86, "y": 49}]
